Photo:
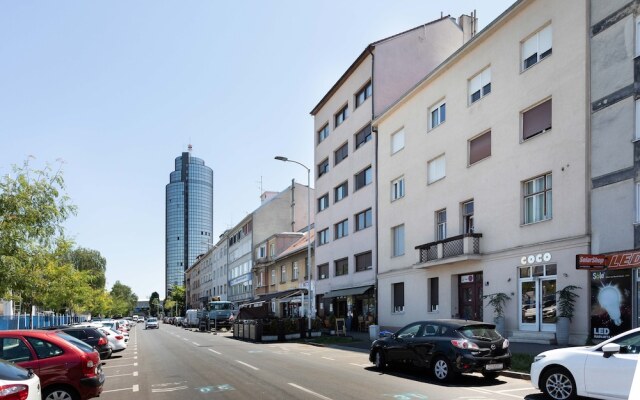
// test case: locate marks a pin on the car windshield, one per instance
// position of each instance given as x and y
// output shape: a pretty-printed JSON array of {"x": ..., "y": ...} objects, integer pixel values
[
  {"x": 152, "y": 320},
  {"x": 76, "y": 342},
  {"x": 480, "y": 332},
  {"x": 220, "y": 306}
]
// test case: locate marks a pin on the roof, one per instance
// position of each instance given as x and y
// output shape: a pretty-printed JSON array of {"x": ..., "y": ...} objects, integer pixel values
[{"x": 299, "y": 245}]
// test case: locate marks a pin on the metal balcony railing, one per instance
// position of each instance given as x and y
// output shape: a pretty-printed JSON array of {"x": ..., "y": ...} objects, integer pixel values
[{"x": 466, "y": 244}]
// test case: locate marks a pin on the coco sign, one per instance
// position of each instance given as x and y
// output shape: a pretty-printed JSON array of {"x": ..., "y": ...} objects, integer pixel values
[{"x": 535, "y": 259}]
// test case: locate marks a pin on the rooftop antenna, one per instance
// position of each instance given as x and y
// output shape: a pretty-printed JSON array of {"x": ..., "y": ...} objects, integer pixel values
[{"x": 190, "y": 147}]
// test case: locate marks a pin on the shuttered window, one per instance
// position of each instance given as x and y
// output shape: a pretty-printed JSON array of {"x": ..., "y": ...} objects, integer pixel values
[
  {"x": 536, "y": 120},
  {"x": 479, "y": 148}
]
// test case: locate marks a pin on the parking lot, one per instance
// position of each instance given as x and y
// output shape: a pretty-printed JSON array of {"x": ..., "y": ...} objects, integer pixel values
[{"x": 121, "y": 370}]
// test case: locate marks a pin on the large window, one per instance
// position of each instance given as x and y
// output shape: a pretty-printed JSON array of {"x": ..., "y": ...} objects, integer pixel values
[
  {"x": 283, "y": 274},
  {"x": 398, "y": 297},
  {"x": 437, "y": 114},
  {"x": 340, "y": 192},
  {"x": 537, "y": 199},
  {"x": 479, "y": 148},
  {"x": 363, "y": 136},
  {"x": 340, "y": 154},
  {"x": 480, "y": 85},
  {"x": 295, "y": 271},
  {"x": 323, "y": 271},
  {"x": 434, "y": 297},
  {"x": 323, "y": 167},
  {"x": 536, "y": 47},
  {"x": 323, "y": 237},
  {"x": 341, "y": 115},
  {"x": 342, "y": 266},
  {"x": 536, "y": 120},
  {"x": 363, "y": 94},
  {"x": 397, "y": 141},
  {"x": 436, "y": 169},
  {"x": 441, "y": 224},
  {"x": 363, "y": 178},
  {"x": 397, "y": 238},
  {"x": 341, "y": 229},
  {"x": 467, "y": 216},
  {"x": 363, "y": 220},
  {"x": 363, "y": 261},
  {"x": 323, "y": 202},
  {"x": 397, "y": 189},
  {"x": 273, "y": 276},
  {"x": 323, "y": 133}
]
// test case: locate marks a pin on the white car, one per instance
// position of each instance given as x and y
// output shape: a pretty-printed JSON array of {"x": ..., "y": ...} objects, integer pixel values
[
  {"x": 152, "y": 323},
  {"x": 116, "y": 339},
  {"x": 18, "y": 383},
  {"x": 604, "y": 371}
]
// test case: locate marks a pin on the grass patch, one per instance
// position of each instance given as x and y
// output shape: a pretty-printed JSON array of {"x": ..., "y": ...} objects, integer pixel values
[
  {"x": 521, "y": 362},
  {"x": 332, "y": 340}
]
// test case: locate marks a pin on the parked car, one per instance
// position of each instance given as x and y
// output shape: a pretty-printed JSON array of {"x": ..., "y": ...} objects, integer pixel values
[
  {"x": 67, "y": 367},
  {"x": 18, "y": 383},
  {"x": 151, "y": 323},
  {"x": 447, "y": 347},
  {"x": 93, "y": 337},
  {"x": 116, "y": 339},
  {"x": 604, "y": 371}
]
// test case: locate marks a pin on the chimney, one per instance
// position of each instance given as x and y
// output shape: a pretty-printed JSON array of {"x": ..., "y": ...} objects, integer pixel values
[{"x": 469, "y": 26}]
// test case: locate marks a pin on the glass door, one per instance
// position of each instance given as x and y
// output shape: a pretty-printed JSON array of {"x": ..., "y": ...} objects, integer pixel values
[
  {"x": 537, "y": 301},
  {"x": 547, "y": 303}
]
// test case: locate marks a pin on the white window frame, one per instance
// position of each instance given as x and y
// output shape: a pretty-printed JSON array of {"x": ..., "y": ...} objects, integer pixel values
[
  {"x": 441, "y": 224},
  {"x": 295, "y": 271},
  {"x": 440, "y": 109},
  {"x": 397, "y": 141},
  {"x": 323, "y": 133},
  {"x": 436, "y": 169},
  {"x": 273, "y": 276},
  {"x": 638, "y": 203},
  {"x": 397, "y": 188},
  {"x": 536, "y": 44},
  {"x": 637, "y": 130},
  {"x": 323, "y": 202},
  {"x": 545, "y": 195},
  {"x": 397, "y": 241},
  {"x": 323, "y": 237},
  {"x": 479, "y": 83}
]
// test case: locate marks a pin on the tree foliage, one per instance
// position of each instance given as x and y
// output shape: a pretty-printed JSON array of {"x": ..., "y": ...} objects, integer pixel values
[
  {"x": 124, "y": 300},
  {"x": 154, "y": 302},
  {"x": 91, "y": 261},
  {"x": 178, "y": 296}
]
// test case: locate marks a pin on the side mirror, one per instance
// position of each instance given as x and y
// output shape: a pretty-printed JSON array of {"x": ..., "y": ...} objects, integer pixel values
[{"x": 610, "y": 349}]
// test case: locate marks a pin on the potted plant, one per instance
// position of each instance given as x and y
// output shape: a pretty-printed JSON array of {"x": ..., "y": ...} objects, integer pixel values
[
  {"x": 269, "y": 330},
  {"x": 332, "y": 324},
  {"x": 316, "y": 327},
  {"x": 498, "y": 301},
  {"x": 566, "y": 305},
  {"x": 291, "y": 328}
]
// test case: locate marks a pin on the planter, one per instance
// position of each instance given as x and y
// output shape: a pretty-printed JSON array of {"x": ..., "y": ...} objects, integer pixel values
[
  {"x": 269, "y": 338},
  {"x": 499, "y": 321},
  {"x": 332, "y": 332},
  {"x": 562, "y": 331},
  {"x": 315, "y": 334},
  {"x": 292, "y": 336}
]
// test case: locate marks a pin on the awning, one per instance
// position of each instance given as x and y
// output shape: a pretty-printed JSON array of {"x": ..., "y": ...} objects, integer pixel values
[
  {"x": 347, "y": 292},
  {"x": 280, "y": 295}
]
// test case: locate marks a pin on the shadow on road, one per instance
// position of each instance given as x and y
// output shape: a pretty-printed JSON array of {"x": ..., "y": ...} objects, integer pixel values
[{"x": 424, "y": 375}]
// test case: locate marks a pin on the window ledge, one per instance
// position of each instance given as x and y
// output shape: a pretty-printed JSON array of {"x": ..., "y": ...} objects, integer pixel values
[{"x": 536, "y": 222}]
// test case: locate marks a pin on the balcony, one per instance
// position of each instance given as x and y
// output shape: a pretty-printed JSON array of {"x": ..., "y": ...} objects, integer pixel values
[{"x": 453, "y": 249}]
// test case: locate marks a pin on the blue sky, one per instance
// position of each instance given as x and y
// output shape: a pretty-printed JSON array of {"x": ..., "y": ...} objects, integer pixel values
[{"x": 118, "y": 89}]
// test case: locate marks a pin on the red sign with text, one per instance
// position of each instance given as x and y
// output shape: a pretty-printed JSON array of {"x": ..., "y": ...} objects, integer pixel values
[{"x": 622, "y": 260}]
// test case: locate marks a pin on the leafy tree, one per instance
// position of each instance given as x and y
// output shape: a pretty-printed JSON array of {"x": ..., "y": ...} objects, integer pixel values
[
  {"x": 154, "y": 302},
  {"x": 91, "y": 261},
  {"x": 169, "y": 306},
  {"x": 124, "y": 300},
  {"x": 178, "y": 295}
]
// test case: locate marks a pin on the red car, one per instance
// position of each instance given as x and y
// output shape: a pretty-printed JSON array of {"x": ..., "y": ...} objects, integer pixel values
[{"x": 68, "y": 368}]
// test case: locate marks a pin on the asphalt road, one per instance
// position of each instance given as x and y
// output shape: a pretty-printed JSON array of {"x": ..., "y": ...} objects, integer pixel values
[{"x": 173, "y": 363}]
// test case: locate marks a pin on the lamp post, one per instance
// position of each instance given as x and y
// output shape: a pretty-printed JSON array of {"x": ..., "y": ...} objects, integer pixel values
[{"x": 311, "y": 296}]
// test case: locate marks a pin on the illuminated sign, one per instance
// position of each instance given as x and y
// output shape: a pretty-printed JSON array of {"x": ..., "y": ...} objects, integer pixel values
[{"x": 535, "y": 259}]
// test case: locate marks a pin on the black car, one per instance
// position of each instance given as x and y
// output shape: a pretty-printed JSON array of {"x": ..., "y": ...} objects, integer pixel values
[
  {"x": 93, "y": 337},
  {"x": 447, "y": 347}
]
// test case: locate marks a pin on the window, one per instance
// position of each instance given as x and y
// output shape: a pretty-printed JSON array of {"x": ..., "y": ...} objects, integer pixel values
[
  {"x": 323, "y": 237},
  {"x": 342, "y": 266},
  {"x": 323, "y": 133},
  {"x": 434, "y": 301},
  {"x": 435, "y": 169},
  {"x": 273, "y": 276},
  {"x": 397, "y": 236},
  {"x": 341, "y": 115},
  {"x": 398, "y": 297},
  {"x": 537, "y": 199},
  {"x": 363, "y": 136},
  {"x": 341, "y": 229},
  {"x": 441, "y": 224},
  {"x": 295, "y": 271},
  {"x": 15, "y": 350},
  {"x": 467, "y": 217},
  {"x": 262, "y": 251},
  {"x": 363, "y": 94},
  {"x": 283, "y": 274},
  {"x": 340, "y": 154},
  {"x": 536, "y": 47},
  {"x": 479, "y": 148},
  {"x": 437, "y": 114},
  {"x": 480, "y": 85},
  {"x": 45, "y": 349},
  {"x": 363, "y": 220},
  {"x": 323, "y": 202},
  {"x": 536, "y": 120},
  {"x": 397, "y": 141},
  {"x": 363, "y": 178},
  {"x": 323, "y": 167},
  {"x": 260, "y": 280},
  {"x": 397, "y": 189},
  {"x": 363, "y": 261},
  {"x": 323, "y": 271},
  {"x": 272, "y": 249},
  {"x": 340, "y": 192}
]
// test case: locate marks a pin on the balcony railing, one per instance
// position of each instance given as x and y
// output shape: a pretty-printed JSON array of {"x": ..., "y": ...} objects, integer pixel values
[{"x": 466, "y": 244}]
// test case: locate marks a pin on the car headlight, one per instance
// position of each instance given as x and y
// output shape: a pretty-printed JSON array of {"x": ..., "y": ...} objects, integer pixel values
[{"x": 538, "y": 357}]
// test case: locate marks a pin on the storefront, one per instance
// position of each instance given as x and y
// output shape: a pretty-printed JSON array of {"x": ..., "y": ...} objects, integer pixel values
[{"x": 351, "y": 303}]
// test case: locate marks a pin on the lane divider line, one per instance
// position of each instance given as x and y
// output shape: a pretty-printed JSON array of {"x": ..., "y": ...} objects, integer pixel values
[
  {"x": 213, "y": 351},
  {"x": 248, "y": 365},
  {"x": 327, "y": 358},
  {"x": 318, "y": 395}
]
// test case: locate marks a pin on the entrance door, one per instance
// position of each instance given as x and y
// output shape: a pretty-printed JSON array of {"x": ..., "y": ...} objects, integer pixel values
[
  {"x": 538, "y": 304},
  {"x": 470, "y": 296}
]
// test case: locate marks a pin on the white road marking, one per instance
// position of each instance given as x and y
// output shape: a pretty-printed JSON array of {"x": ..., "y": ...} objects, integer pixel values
[
  {"x": 484, "y": 391},
  {"x": 360, "y": 365},
  {"x": 196, "y": 344},
  {"x": 318, "y": 395},
  {"x": 213, "y": 351},
  {"x": 113, "y": 376},
  {"x": 135, "y": 373},
  {"x": 134, "y": 389},
  {"x": 118, "y": 366},
  {"x": 306, "y": 354},
  {"x": 327, "y": 358},
  {"x": 128, "y": 358},
  {"x": 514, "y": 390},
  {"x": 173, "y": 389},
  {"x": 247, "y": 365}
]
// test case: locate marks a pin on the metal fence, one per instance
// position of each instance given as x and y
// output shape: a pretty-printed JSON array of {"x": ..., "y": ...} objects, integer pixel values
[{"x": 39, "y": 320}]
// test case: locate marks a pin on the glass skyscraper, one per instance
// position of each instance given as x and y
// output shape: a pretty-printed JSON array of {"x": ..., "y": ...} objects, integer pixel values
[{"x": 189, "y": 216}]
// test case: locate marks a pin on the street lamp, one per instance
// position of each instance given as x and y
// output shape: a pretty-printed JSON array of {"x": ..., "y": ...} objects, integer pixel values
[{"x": 311, "y": 296}]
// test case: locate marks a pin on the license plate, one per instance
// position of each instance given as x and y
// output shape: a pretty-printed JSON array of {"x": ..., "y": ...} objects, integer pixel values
[{"x": 493, "y": 367}]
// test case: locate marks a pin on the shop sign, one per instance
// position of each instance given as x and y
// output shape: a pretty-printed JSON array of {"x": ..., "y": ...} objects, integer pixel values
[
  {"x": 611, "y": 303},
  {"x": 466, "y": 279},
  {"x": 588, "y": 261},
  {"x": 622, "y": 260},
  {"x": 535, "y": 259}
]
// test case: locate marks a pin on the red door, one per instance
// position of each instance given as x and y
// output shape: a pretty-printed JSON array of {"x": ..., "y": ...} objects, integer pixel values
[{"x": 470, "y": 296}]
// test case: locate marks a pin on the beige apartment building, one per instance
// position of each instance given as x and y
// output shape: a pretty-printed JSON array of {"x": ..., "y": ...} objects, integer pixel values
[
  {"x": 345, "y": 159},
  {"x": 483, "y": 180}
]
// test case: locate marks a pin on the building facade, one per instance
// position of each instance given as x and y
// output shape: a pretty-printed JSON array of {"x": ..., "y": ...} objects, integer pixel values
[
  {"x": 483, "y": 178},
  {"x": 189, "y": 216},
  {"x": 345, "y": 159}
]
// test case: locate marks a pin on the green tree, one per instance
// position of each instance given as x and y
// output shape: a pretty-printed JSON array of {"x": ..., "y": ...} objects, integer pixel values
[
  {"x": 124, "y": 300},
  {"x": 177, "y": 295},
  {"x": 154, "y": 302},
  {"x": 91, "y": 261}
]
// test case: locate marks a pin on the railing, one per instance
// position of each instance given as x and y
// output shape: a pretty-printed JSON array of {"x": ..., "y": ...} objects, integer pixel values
[{"x": 469, "y": 243}]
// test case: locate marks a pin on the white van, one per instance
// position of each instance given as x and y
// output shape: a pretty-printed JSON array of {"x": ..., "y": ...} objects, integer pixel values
[{"x": 191, "y": 319}]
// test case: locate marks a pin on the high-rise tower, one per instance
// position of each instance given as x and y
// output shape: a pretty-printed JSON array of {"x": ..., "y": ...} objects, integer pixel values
[{"x": 189, "y": 216}]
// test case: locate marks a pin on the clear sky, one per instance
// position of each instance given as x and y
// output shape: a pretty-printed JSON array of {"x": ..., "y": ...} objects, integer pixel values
[{"x": 117, "y": 89}]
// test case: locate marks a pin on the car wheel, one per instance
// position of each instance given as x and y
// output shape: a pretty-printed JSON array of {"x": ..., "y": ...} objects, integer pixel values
[
  {"x": 442, "y": 370},
  {"x": 558, "y": 384},
  {"x": 379, "y": 360},
  {"x": 59, "y": 393},
  {"x": 490, "y": 374}
]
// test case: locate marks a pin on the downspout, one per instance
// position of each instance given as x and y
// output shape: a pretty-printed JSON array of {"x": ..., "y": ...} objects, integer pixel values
[{"x": 375, "y": 141}]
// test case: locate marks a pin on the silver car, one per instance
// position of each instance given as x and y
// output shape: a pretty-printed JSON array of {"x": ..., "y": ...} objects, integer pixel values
[{"x": 151, "y": 323}]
